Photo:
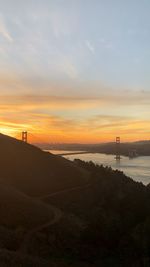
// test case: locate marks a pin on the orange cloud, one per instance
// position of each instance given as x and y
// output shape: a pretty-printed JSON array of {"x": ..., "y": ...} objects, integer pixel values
[{"x": 78, "y": 117}]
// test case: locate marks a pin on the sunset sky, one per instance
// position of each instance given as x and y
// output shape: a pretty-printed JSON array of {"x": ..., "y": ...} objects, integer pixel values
[{"x": 75, "y": 70}]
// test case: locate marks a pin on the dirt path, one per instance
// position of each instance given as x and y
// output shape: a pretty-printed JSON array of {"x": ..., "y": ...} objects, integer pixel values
[
  {"x": 57, "y": 216},
  {"x": 64, "y": 191}
]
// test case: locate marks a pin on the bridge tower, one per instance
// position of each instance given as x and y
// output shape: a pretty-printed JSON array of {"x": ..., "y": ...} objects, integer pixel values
[
  {"x": 118, "y": 148},
  {"x": 24, "y": 136}
]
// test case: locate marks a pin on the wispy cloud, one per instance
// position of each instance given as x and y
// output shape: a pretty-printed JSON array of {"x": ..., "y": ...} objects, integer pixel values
[
  {"x": 4, "y": 31},
  {"x": 90, "y": 46},
  {"x": 66, "y": 67},
  {"x": 60, "y": 25}
]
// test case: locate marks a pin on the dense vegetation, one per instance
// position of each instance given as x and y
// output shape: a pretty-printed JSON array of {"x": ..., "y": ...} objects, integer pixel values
[{"x": 116, "y": 213}]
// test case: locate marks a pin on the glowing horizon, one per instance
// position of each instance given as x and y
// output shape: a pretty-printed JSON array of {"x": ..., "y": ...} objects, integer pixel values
[{"x": 74, "y": 72}]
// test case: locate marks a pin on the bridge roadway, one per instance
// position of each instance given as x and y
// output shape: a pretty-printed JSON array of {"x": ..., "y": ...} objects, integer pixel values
[{"x": 74, "y": 153}]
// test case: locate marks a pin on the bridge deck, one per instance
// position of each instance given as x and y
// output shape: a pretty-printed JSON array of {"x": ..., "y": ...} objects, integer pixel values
[{"x": 73, "y": 153}]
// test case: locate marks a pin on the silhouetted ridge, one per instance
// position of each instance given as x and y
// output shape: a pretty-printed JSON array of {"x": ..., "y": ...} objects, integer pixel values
[{"x": 36, "y": 172}]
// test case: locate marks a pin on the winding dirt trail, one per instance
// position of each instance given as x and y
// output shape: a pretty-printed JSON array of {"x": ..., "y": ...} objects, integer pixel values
[
  {"x": 57, "y": 216},
  {"x": 64, "y": 191}
]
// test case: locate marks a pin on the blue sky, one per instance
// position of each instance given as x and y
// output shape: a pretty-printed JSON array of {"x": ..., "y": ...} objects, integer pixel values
[
  {"x": 95, "y": 40},
  {"x": 94, "y": 54}
]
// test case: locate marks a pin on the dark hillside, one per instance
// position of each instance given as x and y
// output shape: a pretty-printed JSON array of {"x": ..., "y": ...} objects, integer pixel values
[
  {"x": 18, "y": 210},
  {"x": 105, "y": 215},
  {"x": 13, "y": 259},
  {"x": 36, "y": 172},
  {"x": 116, "y": 212}
]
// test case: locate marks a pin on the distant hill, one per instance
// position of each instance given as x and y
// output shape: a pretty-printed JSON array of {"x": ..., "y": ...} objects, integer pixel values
[
  {"x": 35, "y": 172},
  {"x": 142, "y": 142},
  {"x": 142, "y": 147}
]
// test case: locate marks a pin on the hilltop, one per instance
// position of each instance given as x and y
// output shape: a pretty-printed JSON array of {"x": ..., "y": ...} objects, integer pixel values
[{"x": 34, "y": 171}]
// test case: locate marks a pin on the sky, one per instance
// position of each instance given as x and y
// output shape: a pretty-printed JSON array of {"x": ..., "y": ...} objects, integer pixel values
[{"x": 75, "y": 70}]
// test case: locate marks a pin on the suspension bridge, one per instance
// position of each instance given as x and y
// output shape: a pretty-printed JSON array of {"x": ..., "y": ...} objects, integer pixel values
[{"x": 28, "y": 137}]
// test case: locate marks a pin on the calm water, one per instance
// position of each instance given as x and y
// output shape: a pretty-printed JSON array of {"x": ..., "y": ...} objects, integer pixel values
[{"x": 137, "y": 168}]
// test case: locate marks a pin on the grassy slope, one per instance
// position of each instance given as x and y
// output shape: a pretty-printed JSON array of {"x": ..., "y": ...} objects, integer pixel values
[
  {"x": 36, "y": 172},
  {"x": 19, "y": 210}
]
